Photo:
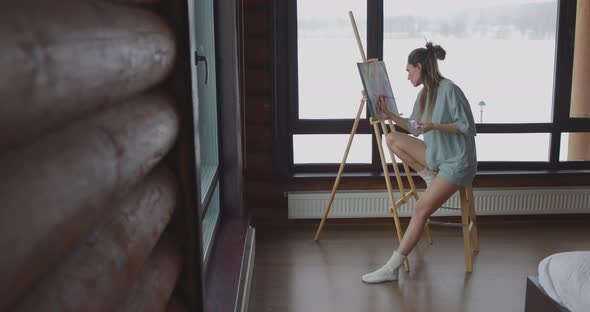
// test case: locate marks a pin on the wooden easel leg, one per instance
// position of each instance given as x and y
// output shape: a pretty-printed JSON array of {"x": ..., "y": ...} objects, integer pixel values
[
  {"x": 341, "y": 169},
  {"x": 398, "y": 227}
]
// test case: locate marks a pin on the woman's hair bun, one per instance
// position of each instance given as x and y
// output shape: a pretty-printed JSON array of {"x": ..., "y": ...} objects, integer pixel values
[{"x": 438, "y": 51}]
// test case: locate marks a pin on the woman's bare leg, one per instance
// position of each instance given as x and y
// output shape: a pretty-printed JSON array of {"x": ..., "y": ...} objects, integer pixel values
[
  {"x": 437, "y": 194},
  {"x": 409, "y": 149},
  {"x": 433, "y": 197}
]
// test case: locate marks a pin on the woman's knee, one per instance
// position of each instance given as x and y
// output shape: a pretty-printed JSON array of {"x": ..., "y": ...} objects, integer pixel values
[
  {"x": 421, "y": 211},
  {"x": 390, "y": 138},
  {"x": 395, "y": 141}
]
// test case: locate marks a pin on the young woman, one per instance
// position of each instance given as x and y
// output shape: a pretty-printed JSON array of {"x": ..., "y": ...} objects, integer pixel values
[{"x": 446, "y": 159}]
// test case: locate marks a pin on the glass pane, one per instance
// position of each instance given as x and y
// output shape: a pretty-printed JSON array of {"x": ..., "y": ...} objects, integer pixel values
[
  {"x": 329, "y": 82},
  {"x": 500, "y": 53},
  {"x": 512, "y": 147},
  {"x": 575, "y": 146},
  {"x": 329, "y": 148},
  {"x": 210, "y": 221},
  {"x": 207, "y": 93}
]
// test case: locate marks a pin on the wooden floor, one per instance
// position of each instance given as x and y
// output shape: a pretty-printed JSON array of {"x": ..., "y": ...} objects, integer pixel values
[{"x": 294, "y": 273}]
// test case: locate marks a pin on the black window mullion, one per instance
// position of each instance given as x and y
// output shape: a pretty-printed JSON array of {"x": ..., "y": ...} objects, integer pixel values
[
  {"x": 564, "y": 54},
  {"x": 576, "y": 125},
  {"x": 554, "y": 146},
  {"x": 375, "y": 29},
  {"x": 329, "y": 126},
  {"x": 574, "y": 165},
  {"x": 292, "y": 79},
  {"x": 292, "y": 56},
  {"x": 284, "y": 67},
  {"x": 374, "y": 50},
  {"x": 515, "y": 128}
]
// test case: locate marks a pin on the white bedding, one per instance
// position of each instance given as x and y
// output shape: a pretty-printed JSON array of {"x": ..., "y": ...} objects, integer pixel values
[{"x": 565, "y": 277}]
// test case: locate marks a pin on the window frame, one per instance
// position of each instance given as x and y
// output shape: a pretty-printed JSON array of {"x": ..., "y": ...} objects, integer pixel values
[{"x": 287, "y": 123}]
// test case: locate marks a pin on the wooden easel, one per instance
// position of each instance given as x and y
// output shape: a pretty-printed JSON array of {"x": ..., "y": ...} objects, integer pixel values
[{"x": 405, "y": 197}]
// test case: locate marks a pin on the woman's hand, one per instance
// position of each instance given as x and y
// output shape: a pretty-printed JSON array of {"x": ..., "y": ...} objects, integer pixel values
[
  {"x": 425, "y": 126},
  {"x": 381, "y": 106}
]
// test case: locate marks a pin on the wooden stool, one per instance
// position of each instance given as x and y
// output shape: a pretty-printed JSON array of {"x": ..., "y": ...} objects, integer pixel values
[{"x": 468, "y": 223}]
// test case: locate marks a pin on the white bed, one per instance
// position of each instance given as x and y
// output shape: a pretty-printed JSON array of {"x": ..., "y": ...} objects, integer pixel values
[{"x": 565, "y": 278}]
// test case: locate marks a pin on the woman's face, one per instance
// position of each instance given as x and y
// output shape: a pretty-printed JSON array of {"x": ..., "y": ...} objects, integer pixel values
[{"x": 414, "y": 74}]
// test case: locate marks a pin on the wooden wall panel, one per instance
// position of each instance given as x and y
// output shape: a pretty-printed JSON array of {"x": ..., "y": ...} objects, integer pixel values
[
  {"x": 266, "y": 201},
  {"x": 258, "y": 166},
  {"x": 152, "y": 290},
  {"x": 257, "y": 52},
  {"x": 263, "y": 195},
  {"x": 80, "y": 127},
  {"x": 175, "y": 306},
  {"x": 259, "y": 110},
  {"x": 97, "y": 276},
  {"x": 259, "y": 139},
  {"x": 258, "y": 82},
  {"x": 67, "y": 61},
  {"x": 136, "y": 2},
  {"x": 255, "y": 2},
  {"x": 256, "y": 20},
  {"x": 63, "y": 183}
]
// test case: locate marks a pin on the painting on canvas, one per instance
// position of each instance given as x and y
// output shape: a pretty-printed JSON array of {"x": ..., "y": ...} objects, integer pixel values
[{"x": 376, "y": 83}]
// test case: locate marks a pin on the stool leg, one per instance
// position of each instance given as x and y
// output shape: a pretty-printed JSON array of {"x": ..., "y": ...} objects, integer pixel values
[
  {"x": 428, "y": 235},
  {"x": 473, "y": 217},
  {"x": 466, "y": 234}
]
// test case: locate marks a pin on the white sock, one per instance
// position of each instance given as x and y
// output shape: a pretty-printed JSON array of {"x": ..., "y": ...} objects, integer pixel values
[
  {"x": 386, "y": 273},
  {"x": 427, "y": 175}
]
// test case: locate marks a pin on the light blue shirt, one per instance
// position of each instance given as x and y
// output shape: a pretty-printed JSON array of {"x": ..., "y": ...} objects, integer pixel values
[{"x": 453, "y": 154}]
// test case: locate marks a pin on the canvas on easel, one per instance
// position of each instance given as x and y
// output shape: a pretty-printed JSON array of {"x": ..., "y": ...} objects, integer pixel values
[{"x": 376, "y": 83}]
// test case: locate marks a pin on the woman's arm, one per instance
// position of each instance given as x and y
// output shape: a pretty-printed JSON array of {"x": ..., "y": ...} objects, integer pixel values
[
  {"x": 400, "y": 121},
  {"x": 382, "y": 108},
  {"x": 426, "y": 126}
]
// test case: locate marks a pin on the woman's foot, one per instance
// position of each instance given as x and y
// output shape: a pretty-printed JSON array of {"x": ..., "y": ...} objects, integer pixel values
[
  {"x": 388, "y": 272},
  {"x": 385, "y": 274}
]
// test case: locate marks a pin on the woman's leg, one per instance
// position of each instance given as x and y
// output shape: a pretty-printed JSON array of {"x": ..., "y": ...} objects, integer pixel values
[
  {"x": 434, "y": 197},
  {"x": 413, "y": 152},
  {"x": 409, "y": 149}
]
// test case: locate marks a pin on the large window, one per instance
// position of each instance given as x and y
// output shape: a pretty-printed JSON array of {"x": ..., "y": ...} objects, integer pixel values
[
  {"x": 329, "y": 85},
  {"x": 501, "y": 53},
  {"x": 512, "y": 58}
]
